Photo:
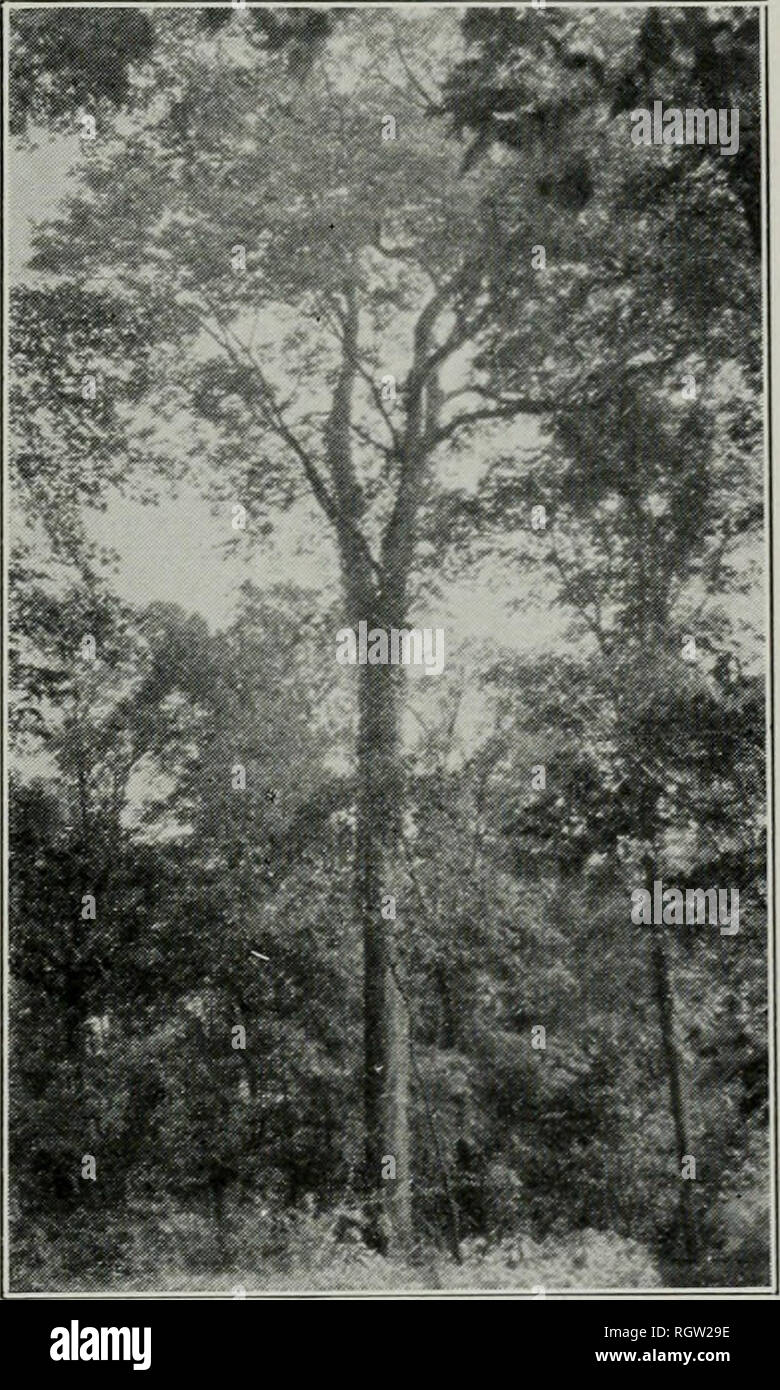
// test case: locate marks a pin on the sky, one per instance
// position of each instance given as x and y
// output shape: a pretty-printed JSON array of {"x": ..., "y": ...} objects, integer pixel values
[
  {"x": 176, "y": 550},
  {"x": 183, "y": 550}
]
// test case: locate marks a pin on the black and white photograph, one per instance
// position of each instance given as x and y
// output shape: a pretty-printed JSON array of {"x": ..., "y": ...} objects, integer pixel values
[{"x": 388, "y": 646}]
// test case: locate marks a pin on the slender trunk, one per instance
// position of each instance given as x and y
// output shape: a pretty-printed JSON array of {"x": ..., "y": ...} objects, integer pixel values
[
  {"x": 386, "y": 1024},
  {"x": 664, "y": 1003},
  {"x": 447, "y": 1029},
  {"x": 663, "y": 997}
]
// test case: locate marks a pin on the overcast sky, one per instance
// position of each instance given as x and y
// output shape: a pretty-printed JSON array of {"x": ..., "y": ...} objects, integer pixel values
[{"x": 176, "y": 551}]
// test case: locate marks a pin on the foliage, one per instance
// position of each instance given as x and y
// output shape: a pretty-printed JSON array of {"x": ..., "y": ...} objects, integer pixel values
[{"x": 226, "y": 910}]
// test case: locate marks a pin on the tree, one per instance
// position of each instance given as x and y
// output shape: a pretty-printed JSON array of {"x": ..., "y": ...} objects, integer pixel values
[
  {"x": 715, "y": 59},
  {"x": 296, "y": 282},
  {"x": 595, "y": 71},
  {"x": 652, "y": 495},
  {"x": 660, "y": 748},
  {"x": 339, "y": 262},
  {"x": 90, "y": 60}
]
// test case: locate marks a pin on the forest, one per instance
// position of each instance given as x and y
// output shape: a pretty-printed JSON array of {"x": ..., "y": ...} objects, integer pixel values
[{"x": 323, "y": 975}]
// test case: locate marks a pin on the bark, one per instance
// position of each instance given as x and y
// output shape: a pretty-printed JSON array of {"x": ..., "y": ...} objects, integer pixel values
[
  {"x": 447, "y": 1029},
  {"x": 378, "y": 820},
  {"x": 664, "y": 1003},
  {"x": 386, "y": 1023},
  {"x": 376, "y": 593},
  {"x": 663, "y": 995}
]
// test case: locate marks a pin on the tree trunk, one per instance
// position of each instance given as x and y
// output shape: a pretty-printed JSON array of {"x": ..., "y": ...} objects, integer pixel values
[
  {"x": 386, "y": 1024},
  {"x": 376, "y": 593},
  {"x": 663, "y": 995}
]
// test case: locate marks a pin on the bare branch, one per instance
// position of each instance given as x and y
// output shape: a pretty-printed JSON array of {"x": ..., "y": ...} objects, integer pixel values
[
  {"x": 271, "y": 414},
  {"x": 431, "y": 101},
  {"x": 523, "y": 406},
  {"x": 379, "y": 403},
  {"x": 366, "y": 437}
]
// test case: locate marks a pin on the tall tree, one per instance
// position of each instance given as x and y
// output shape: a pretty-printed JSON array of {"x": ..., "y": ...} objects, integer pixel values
[
  {"x": 652, "y": 498},
  {"x": 309, "y": 273},
  {"x": 650, "y": 578},
  {"x": 320, "y": 307}
]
